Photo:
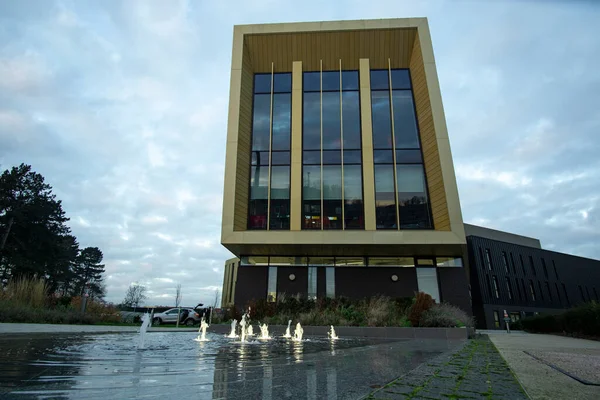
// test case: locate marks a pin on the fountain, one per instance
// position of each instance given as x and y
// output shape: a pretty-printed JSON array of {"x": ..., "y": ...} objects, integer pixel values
[
  {"x": 250, "y": 331},
  {"x": 287, "y": 331},
  {"x": 332, "y": 334},
  {"x": 264, "y": 332},
  {"x": 243, "y": 328},
  {"x": 233, "y": 326},
  {"x": 202, "y": 330},
  {"x": 143, "y": 329},
  {"x": 298, "y": 332}
]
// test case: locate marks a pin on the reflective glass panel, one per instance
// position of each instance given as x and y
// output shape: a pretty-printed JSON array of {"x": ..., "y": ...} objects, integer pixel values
[
  {"x": 400, "y": 79},
  {"x": 285, "y": 261},
  {"x": 272, "y": 285},
  {"x": 330, "y": 282},
  {"x": 352, "y": 157},
  {"x": 280, "y": 198},
  {"x": 391, "y": 262},
  {"x": 312, "y": 81},
  {"x": 385, "y": 202},
  {"x": 262, "y": 83},
  {"x": 449, "y": 261},
  {"x": 312, "y": 283},
  {"x": 353, "y": 202},
  {"x": 311, "y": 157},
  {"x": 280, "y": 158},
  {"x": 260, "y": 122},
  {"x": 428, "y": 282},
  {"x": 382, "y": 128},
  {"x": 349, "y": 80},
  {"x": 412, "y": 197},
  {"x": 260, "y": 158},
  {"x": 332, "y": 134},
  {"x": 320, "y": 261},
  {"x": 311, "y": 126},
  {"x": 332, "y": 157},
  {"x": 379, "y": 79},
  {"x": 331, "y": 81},
  {"x": 405, "y": 123},
  {"x": 259, "y": 178},
  {"x": 383, "y": 157},
  {"x": 332, "y": 197},
  {"x": 282, "y": 118},
  {"x": 408, "y": 157},
  {"x": 350, "y": 262},
  {"x": 282, "y": 83},
  {"x": 311, "y": 195},
  {"x": 254, "y": 260},
  {"x": 351, "y": 120}
]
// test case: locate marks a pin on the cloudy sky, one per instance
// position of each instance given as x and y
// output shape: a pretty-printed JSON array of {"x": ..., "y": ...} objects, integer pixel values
[{"x": 122, "y": 106}]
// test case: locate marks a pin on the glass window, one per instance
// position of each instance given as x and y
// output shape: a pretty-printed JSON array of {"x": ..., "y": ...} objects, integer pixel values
[
  {"x": 557, "y": 292},
  {"x": 351, "y": 120},
  {"x": 412, "y": 197},
  {"x": 544, "y": 268},
  {"x": 332, "y": 157},
  {"x": 496, "y": 319},
  {"x": 311, "y": 122},
  {"x": 495, "y": 282},
  {"x": 512, "y": 260},
  {"x": 488, "y": 259},
  {"x": 449, "y": 261},
  {"x": 428, "y": 282},
  {"x": 532, "y": 290},
  {"x": 312, "y": 283},
  {"x": 260, "y": 158},
  {"x": 332, "y": 197},
  {"x": 287, "y": 261},
  {"x": 331, "y": 81},
  {"x": 282, "y": 118},
  {"x": 549, "y": 291},
  {"x": 254, "y": 260},
  {"x": 272, "y": 285},
  {"x": 349, "y": 80},
  {"x": 282, "y": 83},
  {"x": 425, "y": 261},
  {"x": 409, "y": 157},
  {"x": 352, "y": 157},
  {"x": 400, "y": 79},
  {"x": 320, "y": 261},
  {"x": 332, "y": 134},
  {"x": 350, "y": 262},
  {"x": 280, "y": 198},
  {"x": 555, "y": 271},
  {"x": 382, "y": 128},
  {"x": 330, "y": 282},
  {"x": 257, "y": 208},
  {"x": 311, "y": 195},
  {"x": 260, "y": 122},
  {"x": 311, "y": 157},
  {"x": 380, "y": 79},
  {"x": 262, "y": 83},
  {"x": 405, "y": 123},
  {"x": 353, "y": 201},
  {"x": 533, "y": 271},
  {"x": 279, "y": 158},
  {"x": 385, "y": 202},
  {"x": 509, "y": 289},
  {"x": 391, "y": 262},
  {"x": 312, "y": 82},
  {"x": 505, "y": 262},
  {"x": 541, "y": 291},
  {"x": 566, "y": 295},
  {"x": 383, "y": 157}
]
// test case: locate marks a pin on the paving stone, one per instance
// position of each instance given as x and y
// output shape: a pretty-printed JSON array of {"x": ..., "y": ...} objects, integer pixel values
[{"x": 401, "y": 389}]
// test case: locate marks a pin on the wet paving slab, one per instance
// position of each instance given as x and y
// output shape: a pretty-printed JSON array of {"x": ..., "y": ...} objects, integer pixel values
[{"x": 111, "y": 366}]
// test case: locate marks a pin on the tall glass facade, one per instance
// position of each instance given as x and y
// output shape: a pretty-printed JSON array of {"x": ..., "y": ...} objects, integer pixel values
[
  {"x": 401, "y": 200},
  {"x": 269, "y": 205},
  {"x": 332, "y": 195}
]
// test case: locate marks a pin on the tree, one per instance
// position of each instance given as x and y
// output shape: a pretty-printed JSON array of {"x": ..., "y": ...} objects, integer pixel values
[
  {"x": 88, "y": 272},
  {"x": 32, "y": 226},
  {"x": 136, "y": 294},
  {"x": 216, "y": 301},
  {"x": 178, "y": 295}
]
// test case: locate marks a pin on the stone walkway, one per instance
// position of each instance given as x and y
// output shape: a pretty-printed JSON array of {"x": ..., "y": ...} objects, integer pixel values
[{"x": 475, "y": 371}]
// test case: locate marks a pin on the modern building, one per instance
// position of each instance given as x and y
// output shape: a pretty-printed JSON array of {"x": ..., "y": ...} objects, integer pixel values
[
  {"x": 339, "y": 178},
  {"x": 513, "y": 274}
]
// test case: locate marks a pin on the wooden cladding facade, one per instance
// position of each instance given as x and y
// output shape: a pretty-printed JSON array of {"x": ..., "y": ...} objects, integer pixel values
[
  {"x": 433, "y": 169},
  {"x": 311, "y": 48}
]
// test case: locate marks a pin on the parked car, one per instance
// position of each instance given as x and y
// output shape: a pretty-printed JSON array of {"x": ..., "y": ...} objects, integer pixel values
[{"x": 187, "y": 316}]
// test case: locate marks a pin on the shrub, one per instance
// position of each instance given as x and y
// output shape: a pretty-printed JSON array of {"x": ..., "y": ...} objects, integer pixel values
[
  {"x": 445, "y": 316},
  {"x": 422, "y": 303},
  {"x": 581, "y": 320},
  {"x": 379, "y": 311},
  {"x": 26, "y": 291}
]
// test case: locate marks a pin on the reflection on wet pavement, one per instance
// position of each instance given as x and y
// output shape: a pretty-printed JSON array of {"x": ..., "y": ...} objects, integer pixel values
[{"x": 173, "y": 364}]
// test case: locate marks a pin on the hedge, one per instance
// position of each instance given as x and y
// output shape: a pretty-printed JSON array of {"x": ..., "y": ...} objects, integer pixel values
[{"x": 581, "y": 320}]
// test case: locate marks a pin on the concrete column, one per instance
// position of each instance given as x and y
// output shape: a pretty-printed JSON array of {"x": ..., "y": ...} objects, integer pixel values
[
  {"x": 296, "y": 161},
  {"x": 367, "y": 145}
]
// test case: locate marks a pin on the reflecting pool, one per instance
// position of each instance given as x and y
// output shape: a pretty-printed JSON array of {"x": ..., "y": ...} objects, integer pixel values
[{"x": 110, "y": 366}]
